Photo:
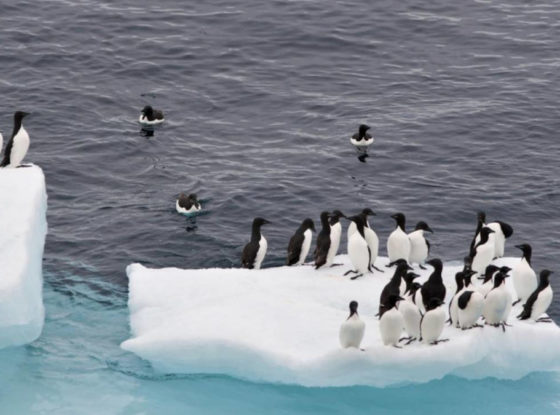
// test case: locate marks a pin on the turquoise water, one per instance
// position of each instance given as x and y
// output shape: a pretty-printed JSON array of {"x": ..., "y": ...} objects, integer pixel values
[{"x": 77, "y": 366}]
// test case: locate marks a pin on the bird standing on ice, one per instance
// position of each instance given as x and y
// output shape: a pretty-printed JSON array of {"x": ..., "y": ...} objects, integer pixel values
[
  {"x": 496, "y": 303},
  {"x": 469, "y": 305},
  {"x": 483, "y": 251},
  {"x": 412, "y": 317},
  {"x": 398, "y": 244},
  {"x": 323, "y": 241},
  {"x": 352, "y": 330},
  {"x": 432, "y": 322},
  {"x": 434, "y": 287},
  {"x": 391, "y": 323},
  {"x": 300, "y": 242},
  {"x": 336, "y": 232},
  {"x": 524, "y": 278},
  {"x": 358, "y": 249},
  {"x": 187, "y": 205},
  {"x": 18, "y": 144},
  {"x": 254, "y": 252},
  {"x": 371, "y": 237},
  {"x": 393, "y": 287},
  {"x": 150, "y": 116},
  {"x": 419, "y": 245},
  {"x": 538, "y": 302}
]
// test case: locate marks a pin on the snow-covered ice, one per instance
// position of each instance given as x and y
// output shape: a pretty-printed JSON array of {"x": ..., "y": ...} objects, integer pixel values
[
  {"x": 281, "y": 325},
  {"x": 23, "y": 227}
]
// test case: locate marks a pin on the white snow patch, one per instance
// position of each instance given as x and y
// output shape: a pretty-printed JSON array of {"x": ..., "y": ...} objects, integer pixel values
[
  {"x": 281, "y": 325},
  {"x": 23, "y": 228}
]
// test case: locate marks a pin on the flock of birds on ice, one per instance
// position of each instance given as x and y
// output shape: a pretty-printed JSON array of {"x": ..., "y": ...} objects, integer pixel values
[{"x": 404, "y": 305}]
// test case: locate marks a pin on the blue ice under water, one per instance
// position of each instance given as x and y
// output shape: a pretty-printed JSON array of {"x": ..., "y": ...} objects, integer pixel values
[{"x": 77, "y": 366}]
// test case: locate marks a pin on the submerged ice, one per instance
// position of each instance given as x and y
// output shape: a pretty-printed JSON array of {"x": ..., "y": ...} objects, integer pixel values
[{"x": 23, "y": 225}]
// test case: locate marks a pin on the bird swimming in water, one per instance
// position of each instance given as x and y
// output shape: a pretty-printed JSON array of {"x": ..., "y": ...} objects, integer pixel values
[
  {"x": 150, "y": 116},
  {"x": 187, "y": 205}
]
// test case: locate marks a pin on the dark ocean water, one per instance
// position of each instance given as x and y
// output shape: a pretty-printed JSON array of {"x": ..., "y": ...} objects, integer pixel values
[{"x": 260, "y": 99}]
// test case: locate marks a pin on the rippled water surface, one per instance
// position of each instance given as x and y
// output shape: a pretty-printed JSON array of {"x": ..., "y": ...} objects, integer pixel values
[{"x": 260, "y": 100}]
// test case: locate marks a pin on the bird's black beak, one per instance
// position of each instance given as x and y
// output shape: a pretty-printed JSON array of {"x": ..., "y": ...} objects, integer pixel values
[
  {"x": 408, "y": 267},
  {"x": 429, "y": 229},
  {"x": 519, "y": 247}
]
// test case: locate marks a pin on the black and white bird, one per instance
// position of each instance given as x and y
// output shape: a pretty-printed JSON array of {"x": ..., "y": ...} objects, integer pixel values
[
  {"x": 18, "y": 144},
  {"x": 408, "y": 280},
  {"x": 502, "y": 231},
  {"x": 391, "y": 323},
  {"x": 496, "y": 303},
  {"x": 483, "y": 251},
  {"x": 419, "y": 245},
  {"x": 488, "y": 280},
  {"x": 431, "y": 325},
  {"x": 358, "y": 249},
  {"x": 398, "y": 244},
  {"x": 362, "y": 138},
  {"x": 480, "y": 222},
  {"x": 150, "y": 116},
  {"x": 323, "y": 241},
  {"x": 523, "y": 275},
  {"x": 187, "y": 204},
  {"x": 336, "y": 232},
  {"x": 352, "y": 330},
  {"x": 300, "y": 242},
  {"x": 538, "y": 302},
  {"x": 434, "y": 287},
  {"x": 393, "y": 287},
  {"x": 370, "y": 236},
  {"x": 453, "y": 307},
  {"x": 412, "y": 317},
  {"x": 470, "y": 305},
  {"x": 254, "y": 252}
]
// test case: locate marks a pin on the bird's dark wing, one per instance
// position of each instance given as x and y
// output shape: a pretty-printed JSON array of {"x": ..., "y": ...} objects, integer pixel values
[
  {"x": 294, "y": 248},
  {"x": 429, "y": 246},
  {"x": 528, "y": 306},
  {"x": 356, "y": 136},
  {"x": 464, "y": 299},
  {"x": 158, "y": 115},
  {"x": 249, "y": 254},
  {"x": 323, "y": 245},
  {"x": 184, "y": 202},
  {"x": 506, "y": 229},
  {"x": 7, "y": 153}
]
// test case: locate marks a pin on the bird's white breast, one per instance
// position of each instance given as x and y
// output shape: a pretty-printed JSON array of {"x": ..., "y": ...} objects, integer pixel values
[
  {"x": 307, "y": 236},
  {"x": 19, "y": 148},
  {"x": 352, "y": 332},
  {"x": 524, "y": 280},
  {"x": 391, "y": 326},
  {"x": 363, "y": 142},
  {"x": 411, "y": 316},
  {"x": 542, "y": 303},
  {"x": 193, "y": 209},
  {"x": 472, "y": 312},
  {"x": 483, "y": 256},
  {"x": 336, "y": 231},
  {"x": 432, "y": 324},
  {"x": 263, "y": 245},
  {"x": 358, "y": 252},
  {"x": 418, "y": 247},
  {"x": 398, "y": 245},
  {"x": 495, "y": 305},
  {"x": 373, "y": 243}
]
